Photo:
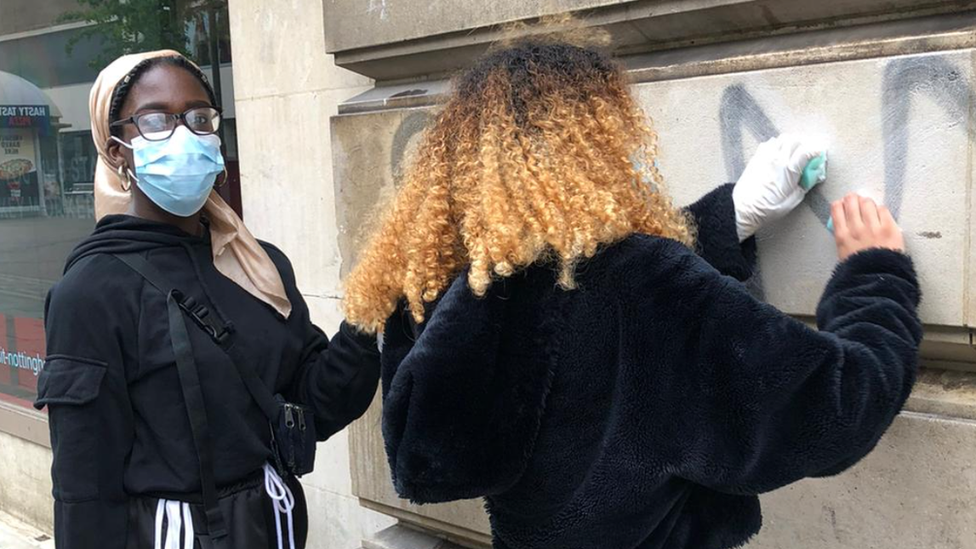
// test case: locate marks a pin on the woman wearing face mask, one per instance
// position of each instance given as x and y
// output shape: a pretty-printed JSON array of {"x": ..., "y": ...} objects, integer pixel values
[{"x": 160, "y": 400}]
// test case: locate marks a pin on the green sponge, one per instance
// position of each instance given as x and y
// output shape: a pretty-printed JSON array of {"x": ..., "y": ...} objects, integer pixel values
[{"x": 815, "y": 172}]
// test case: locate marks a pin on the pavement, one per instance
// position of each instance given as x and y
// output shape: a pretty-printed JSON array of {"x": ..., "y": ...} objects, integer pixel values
[{"x": 15, "y": 534}]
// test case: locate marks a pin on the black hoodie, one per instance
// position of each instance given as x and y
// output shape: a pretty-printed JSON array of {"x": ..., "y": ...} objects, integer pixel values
[{"x": 119, "y": 425}]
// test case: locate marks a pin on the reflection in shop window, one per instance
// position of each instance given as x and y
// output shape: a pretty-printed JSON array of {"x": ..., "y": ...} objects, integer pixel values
[
  {"x": 80, "y": 156},
  {"x": 50, "y": 55}
]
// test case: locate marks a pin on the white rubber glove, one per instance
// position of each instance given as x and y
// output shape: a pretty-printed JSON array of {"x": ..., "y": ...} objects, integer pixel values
[{"x": 769, "y": 189}]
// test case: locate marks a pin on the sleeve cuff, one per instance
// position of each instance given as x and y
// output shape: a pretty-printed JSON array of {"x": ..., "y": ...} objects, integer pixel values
[
  {"x": 874, "y": 273},
  {"x": 718, "y": 238},
  {"x": 875, "y": 262},
  {"x": 361, "y": 339}
]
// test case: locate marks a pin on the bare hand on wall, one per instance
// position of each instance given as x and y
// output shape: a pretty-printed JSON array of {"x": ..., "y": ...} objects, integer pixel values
[{"x": 860, "y": 224}]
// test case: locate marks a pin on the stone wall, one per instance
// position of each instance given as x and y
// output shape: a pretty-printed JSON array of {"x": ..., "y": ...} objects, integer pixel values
[
  {"x": 25, "y": 479},
  {"x": 891, "y": 92},
  {"x": 896, "y": 110},
  {"x": 286, "y": 90}
]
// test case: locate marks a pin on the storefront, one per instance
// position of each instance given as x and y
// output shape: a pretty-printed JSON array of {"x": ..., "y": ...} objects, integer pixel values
[
  {"x": 30, "y": 194},
  {"x": 29, "y": 155}
]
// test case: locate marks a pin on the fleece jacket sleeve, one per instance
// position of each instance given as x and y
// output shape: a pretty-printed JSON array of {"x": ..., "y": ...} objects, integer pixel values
[
  {"x": 756, "y": 399},
  {"x": 717, "y": 239},
  {"x": 463, "y": 398}
]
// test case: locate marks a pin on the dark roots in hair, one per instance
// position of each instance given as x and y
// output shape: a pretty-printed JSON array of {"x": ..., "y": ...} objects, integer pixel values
[
  {"x": 131, "y": 79},
  {"x": 566, "y": 68}
]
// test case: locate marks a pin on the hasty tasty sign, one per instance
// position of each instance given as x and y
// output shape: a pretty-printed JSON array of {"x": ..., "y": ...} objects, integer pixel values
[{"x": 25, "y": 116}]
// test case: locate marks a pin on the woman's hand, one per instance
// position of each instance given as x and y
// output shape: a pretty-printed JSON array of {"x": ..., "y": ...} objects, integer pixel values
[
  {"x": 860, "y": 224},
  {"x": 770, "y": 188}
]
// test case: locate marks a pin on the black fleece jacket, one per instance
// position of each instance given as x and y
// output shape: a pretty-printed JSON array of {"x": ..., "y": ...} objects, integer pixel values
[
  {"x": 649, "y": 407},
  {"x": 119, "y": 425}
]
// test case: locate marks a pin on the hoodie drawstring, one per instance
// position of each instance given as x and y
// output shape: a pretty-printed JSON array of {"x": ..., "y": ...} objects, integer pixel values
[
  {"x": 284, "y": 504},
  {"x": 174, "y": 521}
]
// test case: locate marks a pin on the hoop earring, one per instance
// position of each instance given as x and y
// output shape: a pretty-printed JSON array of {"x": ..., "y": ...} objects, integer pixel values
[
  {"x": 124, "y": 178},
  {"x": 224, "y": 181}
]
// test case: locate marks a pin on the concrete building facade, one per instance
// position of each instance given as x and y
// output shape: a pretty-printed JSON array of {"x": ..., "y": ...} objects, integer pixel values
[
  {"x": 332, "y": 95},
  {"x": 889, "y": 85}
]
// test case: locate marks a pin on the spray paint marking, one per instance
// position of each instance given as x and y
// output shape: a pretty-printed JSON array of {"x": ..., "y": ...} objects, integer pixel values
[
  {"x": 411, "y": 125},
  {"x": 903, "y": 80},
  {"x": 739, "y": 109},
  {"x": 378, "y": 6}
]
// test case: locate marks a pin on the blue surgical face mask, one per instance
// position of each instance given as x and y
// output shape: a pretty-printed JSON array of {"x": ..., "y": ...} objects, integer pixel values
[{"x": 177, "y": 174}]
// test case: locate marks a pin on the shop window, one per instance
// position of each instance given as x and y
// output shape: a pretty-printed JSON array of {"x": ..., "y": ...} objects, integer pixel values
[
  {"x": 80, "y": 156},
  {"x": 50, "y": 54}
]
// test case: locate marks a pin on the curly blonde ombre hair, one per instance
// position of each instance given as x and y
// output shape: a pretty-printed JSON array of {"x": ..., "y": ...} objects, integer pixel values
[{"x": 540, "y": 155}]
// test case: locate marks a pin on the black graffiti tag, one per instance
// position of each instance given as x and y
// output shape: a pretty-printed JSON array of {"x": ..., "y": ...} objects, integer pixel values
[{"x": 904, "y": 79}]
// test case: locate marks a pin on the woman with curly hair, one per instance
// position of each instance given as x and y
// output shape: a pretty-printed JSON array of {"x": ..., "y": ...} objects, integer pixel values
[{"x": 562, "y": 341}]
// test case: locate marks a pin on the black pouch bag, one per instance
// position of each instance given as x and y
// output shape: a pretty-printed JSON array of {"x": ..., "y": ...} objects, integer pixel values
[{"x": 293, "y": 438}]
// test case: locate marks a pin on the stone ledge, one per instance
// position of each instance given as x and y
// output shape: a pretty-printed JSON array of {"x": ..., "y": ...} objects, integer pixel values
[
  {"x": 939, "y": 33},
  {"x": 401, "y": 537},
  {"x": 944, "y": 393},
  {"x": 401, "y": 45}
]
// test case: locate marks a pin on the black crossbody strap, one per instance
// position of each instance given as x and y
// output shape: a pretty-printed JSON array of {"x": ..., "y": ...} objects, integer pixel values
[
  {"x": 192, "y": 392},
  {"x": 152, "y": 275},
  {"x": 200, "y": 314},
  {"x": 199, "y": 426},
  {"x": 260, "y": 392}
]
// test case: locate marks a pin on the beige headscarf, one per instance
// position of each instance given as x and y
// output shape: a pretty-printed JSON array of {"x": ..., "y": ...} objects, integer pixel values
[{"x": 237, "y": 254}]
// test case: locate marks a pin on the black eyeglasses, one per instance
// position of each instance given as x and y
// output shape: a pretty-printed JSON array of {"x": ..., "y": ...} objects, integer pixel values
[{"x": 160, "y": 126}]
